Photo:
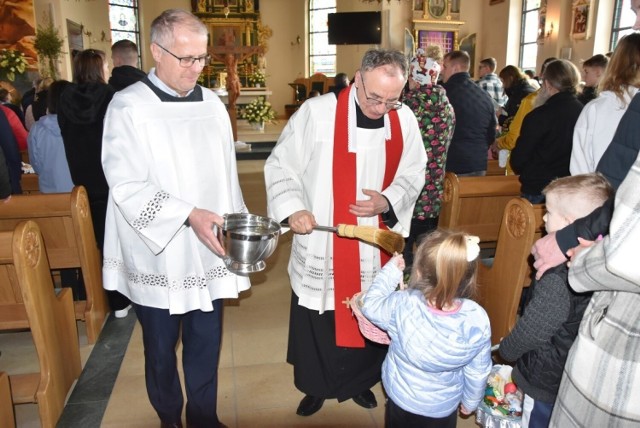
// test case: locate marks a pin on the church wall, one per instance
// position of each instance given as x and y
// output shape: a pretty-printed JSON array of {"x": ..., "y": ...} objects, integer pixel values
[{"x": 497, "y": 29}]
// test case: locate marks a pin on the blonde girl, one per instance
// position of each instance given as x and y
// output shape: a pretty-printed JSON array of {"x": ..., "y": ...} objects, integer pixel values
[{"x": 439, "y": 357}]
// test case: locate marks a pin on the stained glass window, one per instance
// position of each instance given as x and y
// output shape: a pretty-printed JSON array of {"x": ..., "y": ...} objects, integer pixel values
[{"x": 123, "y": 15}]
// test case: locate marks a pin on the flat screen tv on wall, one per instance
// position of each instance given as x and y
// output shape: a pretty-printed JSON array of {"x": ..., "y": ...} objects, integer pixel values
[{"x": 355, "y": 28}]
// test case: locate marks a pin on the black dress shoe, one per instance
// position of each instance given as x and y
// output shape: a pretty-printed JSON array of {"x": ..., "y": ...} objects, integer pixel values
[
  {"x": 166, "y": 425},
  {"x": 366, "y": 399},
  {"x": 309, "y": 405}
]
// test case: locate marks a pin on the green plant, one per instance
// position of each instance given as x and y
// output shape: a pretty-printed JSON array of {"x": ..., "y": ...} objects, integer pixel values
[
  {"x": 258, "y": 111},
  {"x": 48, "y": 44},
  {"x": 257, "y": 78},
  {"x": 12, "y": 63}
]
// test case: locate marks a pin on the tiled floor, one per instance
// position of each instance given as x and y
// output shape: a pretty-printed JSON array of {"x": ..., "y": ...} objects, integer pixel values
[{"x": 256, "y": 384}]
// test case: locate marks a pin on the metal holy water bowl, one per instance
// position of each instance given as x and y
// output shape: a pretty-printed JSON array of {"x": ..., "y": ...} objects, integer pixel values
[{"x": 248, "y": 240}]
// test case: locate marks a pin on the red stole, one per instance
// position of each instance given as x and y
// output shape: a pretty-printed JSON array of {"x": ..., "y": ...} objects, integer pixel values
[{"x": 346, "y": 254}]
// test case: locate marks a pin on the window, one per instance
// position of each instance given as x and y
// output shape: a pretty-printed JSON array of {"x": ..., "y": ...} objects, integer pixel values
[
  {"x": 532, "y": 20},
  {"x": 623, "y": 20},
  {"x": 123, "y": 16},
  {"x": 322, "y": 55}
]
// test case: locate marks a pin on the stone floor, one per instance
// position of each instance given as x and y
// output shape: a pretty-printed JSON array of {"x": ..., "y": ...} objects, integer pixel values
[{"x": 256, "y": 384}]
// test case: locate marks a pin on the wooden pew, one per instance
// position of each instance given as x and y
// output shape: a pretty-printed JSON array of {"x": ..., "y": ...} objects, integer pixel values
[
  {"x": 539, "y": 231},
  {"x": 494, "y": 168},
  {"x": 7, "y": 416},
  {"x": 28, "y": 300},
  {"x": 30, "y": 184},
  {"x": 501, "y": 284},
  {"x": 65, "y": 223},
  {"x": 476, "y": 204}
]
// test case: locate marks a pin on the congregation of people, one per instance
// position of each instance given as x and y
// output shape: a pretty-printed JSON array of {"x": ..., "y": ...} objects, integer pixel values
[{"x": 374, "y": 152}]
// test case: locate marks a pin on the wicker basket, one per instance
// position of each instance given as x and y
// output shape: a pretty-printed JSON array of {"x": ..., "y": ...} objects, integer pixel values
[{"x": 367, "y": 328}]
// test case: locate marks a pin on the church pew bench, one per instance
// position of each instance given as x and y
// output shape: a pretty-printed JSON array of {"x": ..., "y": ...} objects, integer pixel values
[
  {"x": 7, "y": 416},
  {"x": 476, "y": 204},
  {"x": 65, "y": 223},
  {"x": 29, "y": 184},
  {"x": 500, "y": 285},
  {"x": 494, "y": 168},
  {"x": 28, "y": 300}
]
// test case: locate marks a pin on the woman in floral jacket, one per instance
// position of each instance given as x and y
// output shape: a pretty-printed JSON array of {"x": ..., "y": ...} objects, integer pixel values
[{"x": 436, "y": 120}]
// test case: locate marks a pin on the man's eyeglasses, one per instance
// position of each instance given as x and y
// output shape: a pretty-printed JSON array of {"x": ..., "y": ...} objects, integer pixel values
[
  {"x": 374, "y": 102},
  {"x": 188, "y": 61}
]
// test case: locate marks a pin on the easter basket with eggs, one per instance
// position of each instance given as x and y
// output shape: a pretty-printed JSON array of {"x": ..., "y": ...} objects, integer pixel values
[{"x": 502, "y": 403}]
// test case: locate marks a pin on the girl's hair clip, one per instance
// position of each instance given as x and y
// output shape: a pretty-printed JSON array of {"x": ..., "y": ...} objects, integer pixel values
[{"x": 473, "y": 248}]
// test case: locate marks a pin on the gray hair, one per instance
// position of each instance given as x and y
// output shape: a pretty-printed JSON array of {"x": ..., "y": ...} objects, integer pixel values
[
  {"x": 162, "y": 27},
  {"x": 562, "y": 75},
  {"x": 375, "y": 58}
]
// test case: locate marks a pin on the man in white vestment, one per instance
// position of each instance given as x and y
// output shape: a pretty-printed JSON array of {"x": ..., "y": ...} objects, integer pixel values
[
  {"x": 169, "y": 159},
  {"x": 353, "y": 158}
]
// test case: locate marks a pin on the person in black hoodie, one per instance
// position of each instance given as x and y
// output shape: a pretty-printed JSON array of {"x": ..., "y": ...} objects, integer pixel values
[
  {"x": 543, "y": 149},
  {"x": 124, "y": 54},
  {"x": 81, "y": 111}
]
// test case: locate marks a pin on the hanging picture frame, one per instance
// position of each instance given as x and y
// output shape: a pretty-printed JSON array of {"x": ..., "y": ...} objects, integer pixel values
[
  {"x": 581, "y": 19},
  {"x": 437, "y": 8}
]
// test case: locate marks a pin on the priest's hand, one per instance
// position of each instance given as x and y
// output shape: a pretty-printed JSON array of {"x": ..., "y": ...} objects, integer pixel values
[
  {"x": 302, "y": 222},
  {"x": 368, "y": 208},
  {"x": 202, "y": 223}
]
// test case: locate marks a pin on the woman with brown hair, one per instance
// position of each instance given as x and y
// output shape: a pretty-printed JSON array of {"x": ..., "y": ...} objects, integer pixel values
[
  {"x": 516, "y": 86},
  {"x": 600, "y": 117},
  {"x": 81, "y": 111}
]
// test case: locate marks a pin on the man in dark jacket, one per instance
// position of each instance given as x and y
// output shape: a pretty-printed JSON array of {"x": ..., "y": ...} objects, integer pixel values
[
  {"x": 124, "y": 54},
  {"x": 475, "y": 117},
  {"x": 543, "y": 149}
]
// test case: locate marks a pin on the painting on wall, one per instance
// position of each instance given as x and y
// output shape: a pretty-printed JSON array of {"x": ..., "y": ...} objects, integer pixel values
[
  {"x": 18, "y": 29},
  {"x": 468, "y": 44},
  {"x": 437, "y": 8},
  {"x": 581, "y": 17}
]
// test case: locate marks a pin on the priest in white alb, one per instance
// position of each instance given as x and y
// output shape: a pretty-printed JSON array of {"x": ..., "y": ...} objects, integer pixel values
[{"x": 358, "y": 159}]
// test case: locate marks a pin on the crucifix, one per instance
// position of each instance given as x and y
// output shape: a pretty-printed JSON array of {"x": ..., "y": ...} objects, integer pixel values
[{"x": 231, "y": 56}]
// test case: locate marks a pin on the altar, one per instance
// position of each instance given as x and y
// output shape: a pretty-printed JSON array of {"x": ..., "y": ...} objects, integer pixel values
[{"x": 246, "y": 94}]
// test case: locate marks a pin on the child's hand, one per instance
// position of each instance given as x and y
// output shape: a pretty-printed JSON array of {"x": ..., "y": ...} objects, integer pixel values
[
  {"x": 398, "y": 260},
  {"x": 464, "y": 410}
]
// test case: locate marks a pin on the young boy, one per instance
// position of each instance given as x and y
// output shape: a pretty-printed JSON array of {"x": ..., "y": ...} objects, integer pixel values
[
  {"x": 540, "y": 340},
  {"x": 593, "y": 70}
]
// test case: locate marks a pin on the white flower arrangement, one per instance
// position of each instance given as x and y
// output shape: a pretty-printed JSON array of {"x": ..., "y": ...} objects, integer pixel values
[
  {"x": 258, "y": 111},
  {"x": 257, "y": 78},
  {"x": 12, "y": 62}
]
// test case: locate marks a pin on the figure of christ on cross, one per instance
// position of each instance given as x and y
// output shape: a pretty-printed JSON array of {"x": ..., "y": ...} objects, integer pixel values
[{"x": 231, "y": 56}]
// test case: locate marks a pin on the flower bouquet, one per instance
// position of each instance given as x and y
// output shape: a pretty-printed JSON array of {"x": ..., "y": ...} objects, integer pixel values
[
  {"x": 258, "y": 111},
  {"x": 12, "y": 62},
  {"x": 257, "y": 79}
]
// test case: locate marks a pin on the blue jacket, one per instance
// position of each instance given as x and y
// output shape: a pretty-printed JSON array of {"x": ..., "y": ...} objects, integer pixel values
[
  {"x": 436, "y": 360},
  {"x": 47, "y": 156}
]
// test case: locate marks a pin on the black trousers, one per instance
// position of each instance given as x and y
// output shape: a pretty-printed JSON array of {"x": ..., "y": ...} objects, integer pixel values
[
  {"x": 396, "y": 417},
  {"x": 201, "y": 338}
]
